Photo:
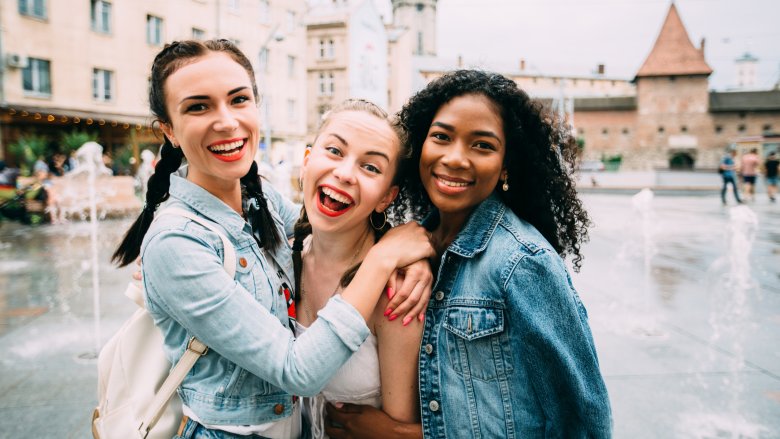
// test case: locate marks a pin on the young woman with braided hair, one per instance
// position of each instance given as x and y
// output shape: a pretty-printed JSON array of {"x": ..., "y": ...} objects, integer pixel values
[
  {"x": 204, "y": 96},
  {"x": 349, "y": 180}
]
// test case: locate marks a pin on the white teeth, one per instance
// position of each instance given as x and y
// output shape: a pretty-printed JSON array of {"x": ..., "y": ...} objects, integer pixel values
[
  {"x": 226, "y": 146},
  {"x": 452, "y": 183},
  {"x": 335, "y": 195}
]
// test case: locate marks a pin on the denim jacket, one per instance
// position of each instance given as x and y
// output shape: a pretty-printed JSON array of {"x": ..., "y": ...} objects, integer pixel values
[
  {"x": 507, "y": 351},
  {"x": 252, "y": 352}
]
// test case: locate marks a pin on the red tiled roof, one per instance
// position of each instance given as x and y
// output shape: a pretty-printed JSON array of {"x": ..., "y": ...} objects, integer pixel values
[{"x": 673, "y": 53}]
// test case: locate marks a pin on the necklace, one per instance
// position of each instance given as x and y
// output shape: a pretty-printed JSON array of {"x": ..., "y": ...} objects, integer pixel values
[{"x": 305, "y": 306}]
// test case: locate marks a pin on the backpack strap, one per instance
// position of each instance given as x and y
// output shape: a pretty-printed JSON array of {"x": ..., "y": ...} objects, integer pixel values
[{"x": 195, "y": 348}]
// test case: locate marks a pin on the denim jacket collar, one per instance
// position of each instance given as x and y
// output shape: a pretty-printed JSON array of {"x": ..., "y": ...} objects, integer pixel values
[
  {"x": 206, "y": 204},
  {"x": 478, "y": 229}
]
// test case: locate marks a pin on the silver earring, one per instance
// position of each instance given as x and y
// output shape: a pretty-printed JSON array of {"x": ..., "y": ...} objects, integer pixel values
[{"x": 505, "y": 186}]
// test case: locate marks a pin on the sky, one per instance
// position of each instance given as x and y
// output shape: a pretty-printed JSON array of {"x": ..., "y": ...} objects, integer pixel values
[{"x": 574, "y": 36}]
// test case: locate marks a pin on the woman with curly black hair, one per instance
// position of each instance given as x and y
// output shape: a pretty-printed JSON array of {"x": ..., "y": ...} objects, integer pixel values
[{"x": 506, "y": 350}]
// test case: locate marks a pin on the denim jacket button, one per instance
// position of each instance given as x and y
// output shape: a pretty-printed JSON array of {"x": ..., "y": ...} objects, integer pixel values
[
  {"x": 428, "y": 349},
  {"x": 242, "y": 262},
  {"x": 279, "y": 409},
  {"x": 439, "y": 295},
  {"x": 434, "y": 406}
]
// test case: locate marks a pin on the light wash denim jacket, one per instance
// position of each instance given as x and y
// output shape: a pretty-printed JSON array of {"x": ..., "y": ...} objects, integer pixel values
[
  {"x": 507, "y": 351},
  {"x": 252, "y": 352}
]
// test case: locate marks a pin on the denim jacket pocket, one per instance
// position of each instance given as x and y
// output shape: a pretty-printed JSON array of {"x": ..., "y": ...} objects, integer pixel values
[
  {"x": 476, "y": 341},
  {"x": 249, "y": 273}
]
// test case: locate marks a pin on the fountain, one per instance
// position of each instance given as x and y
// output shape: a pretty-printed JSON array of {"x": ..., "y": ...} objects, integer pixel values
[
  {"x": 729, "y": 314},
  {"x": 145, "y": 170}
]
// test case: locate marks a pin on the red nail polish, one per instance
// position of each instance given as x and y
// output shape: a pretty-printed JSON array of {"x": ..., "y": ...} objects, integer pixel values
[
  {"x": 388, "y": 311},
  {"x": 407, "y": 319},
  {"x": 390, "y": 293},
  {"x": 421, "y": 317},
  {"x": 393, "y": 317}
]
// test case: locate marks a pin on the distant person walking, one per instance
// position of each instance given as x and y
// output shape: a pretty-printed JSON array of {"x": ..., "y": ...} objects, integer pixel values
[
  {"x": 728, "y": 172},
  {"x": 748, "y": 167},
  {"x": 770, "y": 169}
]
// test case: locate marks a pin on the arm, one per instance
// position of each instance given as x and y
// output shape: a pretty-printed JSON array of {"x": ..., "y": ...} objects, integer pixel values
[
  {"x": 363, "y": 421},
  {"x": 199, "y": 295},
  {"x": 561, "y": 357},
  {"x": 398, "y": 348}
]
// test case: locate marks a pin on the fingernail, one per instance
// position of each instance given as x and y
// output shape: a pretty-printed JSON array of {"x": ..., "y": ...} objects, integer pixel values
[
  {"x": 338, "y": 405},
  {"x": 390, "y": 293},
  {"x": 421, "y": 317},
  {"x": 407, "y": 319},
  {"x": 393, "y": 317},
  {"x": 388, "y": 311}
]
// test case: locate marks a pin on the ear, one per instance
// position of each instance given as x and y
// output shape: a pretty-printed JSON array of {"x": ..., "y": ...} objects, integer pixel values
[
  {"x": 503, "y": 174},
  {"x": 167, "y": 129},
  {"x": 387, "y": 199},
  {"x": 305, "y": 162}
]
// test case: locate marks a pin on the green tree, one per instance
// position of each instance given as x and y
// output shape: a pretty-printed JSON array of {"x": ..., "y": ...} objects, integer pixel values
[
  {"x": 73, "y": 140},
  {"x": 27, "y": 149}
]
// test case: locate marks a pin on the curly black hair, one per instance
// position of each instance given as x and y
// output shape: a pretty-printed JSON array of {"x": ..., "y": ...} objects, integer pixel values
[{"x": 540, "y": 156}]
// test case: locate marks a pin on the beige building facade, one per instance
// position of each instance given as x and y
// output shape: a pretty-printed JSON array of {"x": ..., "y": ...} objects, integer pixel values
[{"x": 84, "y": 65}]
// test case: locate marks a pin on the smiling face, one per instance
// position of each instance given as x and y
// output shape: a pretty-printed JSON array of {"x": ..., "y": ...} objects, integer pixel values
[
  {"x": 213, "y": 118},
  {"x": 349, "y": 172},
  {"x": 463, "y": 154}
]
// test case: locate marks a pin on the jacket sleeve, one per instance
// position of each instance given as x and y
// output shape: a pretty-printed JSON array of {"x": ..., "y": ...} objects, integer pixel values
[
  {"x": 185, "y": 281},
  {"x": 558, "y": 346}
]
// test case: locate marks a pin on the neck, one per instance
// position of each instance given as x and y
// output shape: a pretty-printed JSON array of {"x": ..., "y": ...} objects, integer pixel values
[
  {"x": 340, "y": 248},
  {"x": 450, "y": 224}
]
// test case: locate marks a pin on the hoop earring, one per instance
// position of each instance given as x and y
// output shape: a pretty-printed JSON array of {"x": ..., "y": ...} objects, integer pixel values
[
  {"x": 505, "y": 186},
  {"x": 384, "y": 220}
]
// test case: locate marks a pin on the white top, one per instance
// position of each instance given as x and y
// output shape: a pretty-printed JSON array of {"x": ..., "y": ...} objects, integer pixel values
[
  {"x": 356, "y": 382},
  {"x": 287, "y": 428}
]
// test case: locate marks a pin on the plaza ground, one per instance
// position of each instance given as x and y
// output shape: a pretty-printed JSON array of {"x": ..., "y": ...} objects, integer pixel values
[{"x": 683, "y": 296}]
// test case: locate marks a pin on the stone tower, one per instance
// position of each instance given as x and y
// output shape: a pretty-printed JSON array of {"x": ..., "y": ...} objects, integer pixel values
[
  {"x": 419, "y": 16},
  {"x": 673, "y": 98}
]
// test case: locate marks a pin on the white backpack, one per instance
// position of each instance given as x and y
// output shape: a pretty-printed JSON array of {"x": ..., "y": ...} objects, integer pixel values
[{"x": 135, "y": 380}]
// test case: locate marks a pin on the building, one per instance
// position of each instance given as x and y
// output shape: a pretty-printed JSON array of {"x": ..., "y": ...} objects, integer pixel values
[
  {"x": 347, "y": 51},
  {"x": 673, "y": 120},
  {"x": 85, "y": 65}
]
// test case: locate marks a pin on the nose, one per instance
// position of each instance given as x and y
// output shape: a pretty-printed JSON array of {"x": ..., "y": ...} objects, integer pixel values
[
  {"x": 455, "y": 156},
  {"x": 226, "y": 121},
  {"x": 345, "y": 172}
]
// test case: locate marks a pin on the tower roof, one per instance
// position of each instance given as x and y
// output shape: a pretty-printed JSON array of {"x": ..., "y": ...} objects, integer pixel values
[{"x": 673, "y": 53}]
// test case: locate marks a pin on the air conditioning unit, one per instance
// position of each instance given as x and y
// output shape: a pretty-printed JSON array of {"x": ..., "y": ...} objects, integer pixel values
[{"x": 16, "y": 61}]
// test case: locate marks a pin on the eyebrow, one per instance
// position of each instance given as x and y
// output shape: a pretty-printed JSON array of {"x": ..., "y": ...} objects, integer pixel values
[
  {"x": 344, "y": 141},
  {"x": 480, "y": 133},
  {"x": 203, "y": 97}
]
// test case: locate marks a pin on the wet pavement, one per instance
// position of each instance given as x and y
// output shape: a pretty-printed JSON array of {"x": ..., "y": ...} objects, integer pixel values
[{"x": 684, "y": 302}]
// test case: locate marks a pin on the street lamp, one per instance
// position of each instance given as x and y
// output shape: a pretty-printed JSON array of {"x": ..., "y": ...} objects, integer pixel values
[{"x": 273, "y": 35}]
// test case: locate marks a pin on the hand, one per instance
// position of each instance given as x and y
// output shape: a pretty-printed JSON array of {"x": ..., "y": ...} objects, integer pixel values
[
  {"x": 409, "y": 290},
  {"x": 137, "y": 274},
  {"x": 404, "y": 245},
  {"x": 352, "y": 421}
]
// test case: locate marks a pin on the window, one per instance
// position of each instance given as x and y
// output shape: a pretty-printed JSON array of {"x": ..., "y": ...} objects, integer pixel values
[
  {"x": 718, "y": 128},
  {"x": 742, "y": 128},
  {"x": 331, "y": 84},
  {"x": 766, "y": 127},
  {"x": 291, "y": 109},
  {"x": 264, "y": 11},
  {"x": 198, "y": 34},
  {"x": 322, "y": 48},
  {"x": 33, "y": 8},
  {"x": 263, "y": 60},
  {"x": 290, "y": 21},
  {"x": 36, "y": 77},
  {"x": 330, "y": 50},
  {"x": 102, "y": 85},
  {"x": 326, "y": 84},
  {"x": 101, "y": 16},
  {"x": 625, "y": 131},
  {"x": 661, "y": 130},
  {"x": 684, "y": 128},
  {"x": 323, "y": 86},
  {"x": 419, "y": 43},
  {"x": 290, "y": 66},
  {"x": 154, "y": 30},
  {"x": 604, "y": 131}
]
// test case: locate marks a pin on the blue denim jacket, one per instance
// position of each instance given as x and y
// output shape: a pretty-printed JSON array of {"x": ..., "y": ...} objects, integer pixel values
[
  {"x": 507, "y": 351},
  {"x": 254, "y": 363}
]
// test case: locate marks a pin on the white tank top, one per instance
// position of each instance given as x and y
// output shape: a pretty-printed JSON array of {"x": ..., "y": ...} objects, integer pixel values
[{"x": 356, "y": 382}]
